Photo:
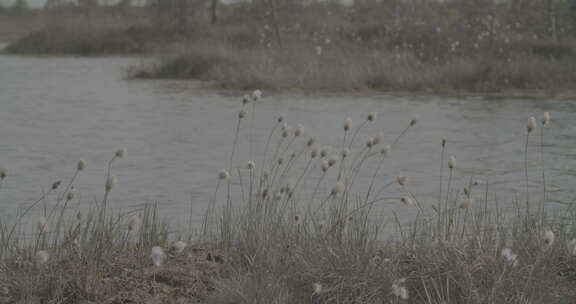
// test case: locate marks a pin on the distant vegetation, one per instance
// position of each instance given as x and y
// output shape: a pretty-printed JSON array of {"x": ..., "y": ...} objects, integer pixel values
[{"x": 480, "y": 46}]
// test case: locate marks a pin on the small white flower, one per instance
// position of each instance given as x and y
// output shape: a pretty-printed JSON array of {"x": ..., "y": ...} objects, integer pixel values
[
  {"x": 510, "y": 257},
  {"x": 546, "y": 119},
  {"x": 256, "y": 95},
  {"x": 319, "y": 50},
  {"x": 338, "y": 188},
  {"x": 223, "y": 174},
  {"x": 572, "y": 246},
  {"x": 401, "y": 179},
  {"x": 317, "y": 288},
  {"x": 42, "y": 257},
  {"x": 347, "y": 124},
  {"x": 531, "y": 125},
  {"x": 120, "y": 153},
  {"x": 42, "y": 225},
  {"x": 178, "y": 247},
  {"x": 548, "y": 238},
  {"x": 406, "y": 200},
  {"x": 452, "y": 162},
  {"x": 81, "y": 165},
  {"x": 157, "y": 256},
  {"x": 251, "y": 165},
  {"x": 134, "y": 224},
  {"x": 110, "y": 182}
]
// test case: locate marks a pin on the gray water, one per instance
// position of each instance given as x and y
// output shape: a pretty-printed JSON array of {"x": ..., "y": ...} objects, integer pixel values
[{"x": 54, "y": 111}]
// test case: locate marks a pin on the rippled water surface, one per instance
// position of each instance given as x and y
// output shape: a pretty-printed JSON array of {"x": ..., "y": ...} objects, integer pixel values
[{"x": 54, "y": 111}]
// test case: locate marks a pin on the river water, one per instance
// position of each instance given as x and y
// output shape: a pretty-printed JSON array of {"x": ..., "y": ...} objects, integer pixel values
[{"x": 54, "y": 111}]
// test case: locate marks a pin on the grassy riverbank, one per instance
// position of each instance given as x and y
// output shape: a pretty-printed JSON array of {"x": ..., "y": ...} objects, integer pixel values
[{"x": 297, "y": 226}]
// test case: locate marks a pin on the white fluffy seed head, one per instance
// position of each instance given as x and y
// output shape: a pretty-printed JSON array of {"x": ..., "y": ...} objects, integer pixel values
[
  {"x": 465, "y": 203},
  {"x": 345, "y": 152},
  {"x": 311, "y": 141},
  {"x": 317, "y": 288},
  {"x": 178, "y": 247},
  {"x": 286, "y": 128},
  {"x": 70, "y": 195},
  {"x": 408, "y": 201},
  {"x": 371, "y": 116},
  {"x": 120, "y": 153},
  {"x": 385, "y": 151},
  {"x": 42, "y": 257},
  {"x": 110, "y": 182},
  {"x": 452, "y": 162},
  {"x": 134, "y": 223},
  {"x": 257, "y": 95},
  {"x": 370, "y": 142},
  {"x": 338, "y": 188},
  {"x": 331, "y": 161},
  {"x": 413, "y": 121},
  {"x": 250, "y": 165},
  {"x": 42, "y": 225},
  {"x": 245, "y": 99},
  {"x": 546, "y": 119},
  {"x": 223, "y": 174},
  {"x": 81, "y": 165},
  {"x": 241, "y": 114},
  {"x": 325, "y": 151},
  {"x": 378, "y": 139},
  {"x": 324, "y": 166},
  {"x": 2, "y": 173},
  {"x": 299, "y": 130},
  {"x": 157, "y": 256},
  {"x": 347, "y": 124},
  {"x": 548, "y": 238},
  {"x": 401, "y": 180},
  {"x": 531, "y": 125},
  {"x": 571, "y": 247},
  {"x": 314, "y": 152},
  {"x": 510, "y": 256},
  {"x": 399, "y": 290}
]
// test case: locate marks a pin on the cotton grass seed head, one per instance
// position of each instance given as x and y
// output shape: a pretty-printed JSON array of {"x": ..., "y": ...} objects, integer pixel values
[
  {"x": 120, "y": 153},
  {"x": 531, "y": 125},
  {"x": 70, "y": 195},
  {"x": 443, "y": 142},
  {"x": 371, "y": 116},
  {"x": 413, "y": 121},
  {"x": 325, "y": 151},
  {"x": 134, "y": 223},
  {"x": 257, "y": 95},
  {"x": 345, "y": 152},
  {"x": 347, "y": 124},
  {"x": 41, "y": 257},
  {"x": 299, "y": 130},
  {"x": 548, "y": 238},
  {"x": 317, "y": 288},
  {"x": 246, "y": 99},
  {"x": 81, "y": 165},
  {"x": 331, "y": 161},
  {"x": 546, "y": 119},
  {"x": 280, "y": 118},
  {"x": 452, "y": 162},
  {"x": 324, "y": 166},
  {"x": 241, "y": 114},
  {"x": 408, "y": 201},
  {"x": 385, "y": 151},
  {"x": 223, "y": 174},
  {"x": 510, "y": 256},
  {"x": 250, "y": 165},
  {"x": 158, "y": 256},
  {"x": 338, "y": 188},
  {"x": 314, "y": 152},
  {"x": 178, "y": 247},
  {"x": 42, "y": 225},
  {"x": 110, "y": 182},
  {"x": 311, "y": 141},
  {"x": 399, "y": 290},
  {"x": 370, "y": 142},
  {"x": 378, "y": 139},
  {"x": 401, "y": 180}
]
